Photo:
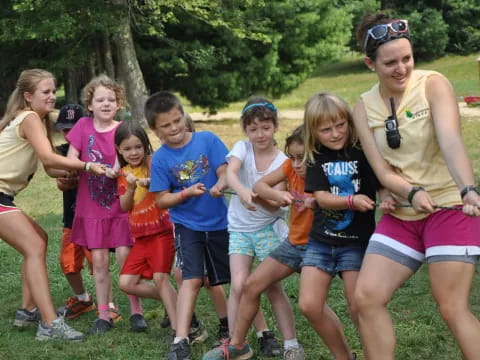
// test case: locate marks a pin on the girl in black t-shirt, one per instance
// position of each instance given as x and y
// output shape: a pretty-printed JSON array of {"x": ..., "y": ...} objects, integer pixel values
[{"x": 344, "y": 187}]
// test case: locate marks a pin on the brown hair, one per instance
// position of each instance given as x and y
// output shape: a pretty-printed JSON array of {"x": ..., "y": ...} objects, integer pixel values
[
  {"x": 258, "y": 108},
  {"x": 367, "y": 22},
  {"x": 158, "y": 103}
]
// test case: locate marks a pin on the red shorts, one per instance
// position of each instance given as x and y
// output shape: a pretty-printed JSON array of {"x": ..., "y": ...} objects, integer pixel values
[
  {"x": 73, "y": 255},
  {"x": 149, "y": 255}
]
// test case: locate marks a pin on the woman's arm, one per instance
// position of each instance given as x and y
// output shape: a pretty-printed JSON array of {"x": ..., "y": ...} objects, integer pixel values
[
  {"x": 446, "y": 119},
  {"x": 422, "y": 202},
  {"x": 33, "y": 129}
]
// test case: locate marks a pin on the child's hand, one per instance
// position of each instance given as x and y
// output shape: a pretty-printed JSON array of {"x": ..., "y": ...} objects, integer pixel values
[
  {"x": 197, "y": 189},
  {"x": 387, "y": 204},
  {"x": 217, "y": 190},
  {"x": 310, "y": 202},
  {"x": 67, "y": 182},
  {"x": 97, "y": 169},
  {"x": 283, "y": 198},
  {"x": 131, "y": 181},
  {"x": 247, "y": 198},
  {"x": 110, "y": 173},
  {"x": 362, "y": 203},
  {"x": 145, "y": 182}
]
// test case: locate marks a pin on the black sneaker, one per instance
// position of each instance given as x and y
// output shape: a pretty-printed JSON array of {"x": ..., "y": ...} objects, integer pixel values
[
  {"x": 269, "y": 346},
  {"x": 138, "y": 323},
  {"x": 197, "y": 334},
  {"x": 101, "y": 326},
  {"x": 179, "y": 351},
  {"x": 165, "y": 321},
  {"x": 223, "y": 334}
]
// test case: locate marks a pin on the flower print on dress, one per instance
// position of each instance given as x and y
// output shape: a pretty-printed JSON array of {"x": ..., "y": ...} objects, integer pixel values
[
  {"x": 102, "y": 189},
  {"x": 191, "y": 171}
]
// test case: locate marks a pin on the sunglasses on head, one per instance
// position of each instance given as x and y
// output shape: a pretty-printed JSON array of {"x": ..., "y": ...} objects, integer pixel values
[{"x": 382, "y": 31}]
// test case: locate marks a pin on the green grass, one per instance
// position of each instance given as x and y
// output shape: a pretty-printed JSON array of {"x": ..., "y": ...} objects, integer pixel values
[{"x": 420, "y": 331}]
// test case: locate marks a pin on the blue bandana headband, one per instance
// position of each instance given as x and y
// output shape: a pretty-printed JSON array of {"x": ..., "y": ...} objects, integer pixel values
[{"x": 266, "y": 104}]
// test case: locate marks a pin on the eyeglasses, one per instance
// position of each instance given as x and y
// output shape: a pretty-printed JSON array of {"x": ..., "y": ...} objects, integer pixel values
[{"x": 381, "y": 31}]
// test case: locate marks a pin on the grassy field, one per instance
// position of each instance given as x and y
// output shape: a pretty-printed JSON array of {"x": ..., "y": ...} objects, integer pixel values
[{"x": 421, "y": 333}]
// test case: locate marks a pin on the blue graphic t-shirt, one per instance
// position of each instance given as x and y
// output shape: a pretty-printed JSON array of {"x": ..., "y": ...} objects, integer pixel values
[
  {"x": 343, "y": 173},
  {"x": 196, "y": 162}
]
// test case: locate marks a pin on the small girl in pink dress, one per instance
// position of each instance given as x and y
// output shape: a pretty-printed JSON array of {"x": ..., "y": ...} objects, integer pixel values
[{"x": 100, "y": 224}]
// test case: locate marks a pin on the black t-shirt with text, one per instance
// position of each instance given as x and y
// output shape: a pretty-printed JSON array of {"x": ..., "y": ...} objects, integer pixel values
[{"x": 344, "y": 172}]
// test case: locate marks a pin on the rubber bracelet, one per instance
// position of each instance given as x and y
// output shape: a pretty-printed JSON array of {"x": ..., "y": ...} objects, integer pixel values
[
  {"x": 350, "y": 202},
  {"x": 183, "y": 194},
  {"x": 467, "y": 189},
  {"x": 87, "y": 166},
  {"x": 412, "y": 193}
]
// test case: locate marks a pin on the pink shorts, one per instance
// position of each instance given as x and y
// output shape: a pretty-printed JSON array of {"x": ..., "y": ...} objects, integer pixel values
[{"x": 445, "y": 233}]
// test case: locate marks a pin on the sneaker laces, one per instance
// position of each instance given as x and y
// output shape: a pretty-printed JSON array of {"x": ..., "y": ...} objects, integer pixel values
[
  {"x": 224, "y": 346},
  {"x": 71, "y": 301}
]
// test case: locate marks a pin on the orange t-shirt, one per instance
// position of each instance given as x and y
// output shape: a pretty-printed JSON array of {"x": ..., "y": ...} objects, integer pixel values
[
  {"x": 146, "y": 218},
  {"x": 300, "y": 217}
]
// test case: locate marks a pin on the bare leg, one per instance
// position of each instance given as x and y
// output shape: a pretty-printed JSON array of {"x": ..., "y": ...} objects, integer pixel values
[
  {"x": 267, "y": 273},
  {"x": 101, "y": 275},
  {"x": 76, "y": 282},
  {"x": 379, "y": 278},
  {"x": 349, "y": 283},
  {"x": 168, "y": 296},
  {"x": 186, "y": 298},
  {"x": 314, "y": 285},
  {"x": 240, "y": 266},
  {"x": 451, "y": 284},
  {"x": 219, "y": 299},
  {"x": 22, "y": 233}
]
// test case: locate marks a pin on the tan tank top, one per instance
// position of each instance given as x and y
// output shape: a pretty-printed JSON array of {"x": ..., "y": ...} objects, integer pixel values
[
  {"x": 18, "y": 161},
  {"x": 419, "y": 159}
]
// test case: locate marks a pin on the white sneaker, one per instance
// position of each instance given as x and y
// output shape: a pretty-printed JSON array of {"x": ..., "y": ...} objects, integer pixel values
[
  {"x": 59, "y": 330},
  {"x": 294, "y": 353}
]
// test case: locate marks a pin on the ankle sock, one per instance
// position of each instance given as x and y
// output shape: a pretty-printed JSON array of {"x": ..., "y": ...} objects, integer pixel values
[
  {"x": 292, "y": 343},
  {"x": 260, "y": 333},
  {"x": 178, "y": 339},
  {"x": 83, "y": 297},
  {"x": 103, "y": 312},
  {"x": 135, "y": 305}
]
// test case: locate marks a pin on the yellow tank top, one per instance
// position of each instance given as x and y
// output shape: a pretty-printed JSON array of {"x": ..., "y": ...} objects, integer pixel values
[
  {"x": 419, "y": 159},
  {"x": 18, "y": 161}
]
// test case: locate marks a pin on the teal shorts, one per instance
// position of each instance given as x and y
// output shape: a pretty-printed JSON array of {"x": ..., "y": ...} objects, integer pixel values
[{"x": 256, "y": 243}]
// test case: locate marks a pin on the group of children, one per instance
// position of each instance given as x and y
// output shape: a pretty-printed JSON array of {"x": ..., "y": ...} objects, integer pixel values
[{"x": 215, "y": 243}]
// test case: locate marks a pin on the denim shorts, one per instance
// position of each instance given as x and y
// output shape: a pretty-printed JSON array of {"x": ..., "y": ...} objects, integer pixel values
[
  {"x": 256, "y": 243},
  {"x": 200, "y": 250},
  {"x": 289, "y": 255},
  {"x": 333, "y": 259}
]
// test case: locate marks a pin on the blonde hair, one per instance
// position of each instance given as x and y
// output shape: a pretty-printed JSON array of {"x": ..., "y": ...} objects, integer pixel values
[
  {"x": 321, "y": 108},
  {"x": 105, "y": 81},
  {"x": 27, "y": 82}
]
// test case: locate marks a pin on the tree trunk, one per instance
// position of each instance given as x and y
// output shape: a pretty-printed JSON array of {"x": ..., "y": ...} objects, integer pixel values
[
  {"x": 74, "y": 80},
  {"x": 129, "y": 72},
  {"x": 107, "y": 56}
]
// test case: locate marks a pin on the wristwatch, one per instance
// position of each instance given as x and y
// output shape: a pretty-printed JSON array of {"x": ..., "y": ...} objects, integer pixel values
[
  {"x": 412, "y": 193},
  {"x": 467, "y": 189}
]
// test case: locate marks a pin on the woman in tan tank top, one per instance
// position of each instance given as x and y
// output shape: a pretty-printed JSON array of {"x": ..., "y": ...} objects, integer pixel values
[
  {"x": 418, "y": 155},
  {"x": 24, "y": 141}
]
